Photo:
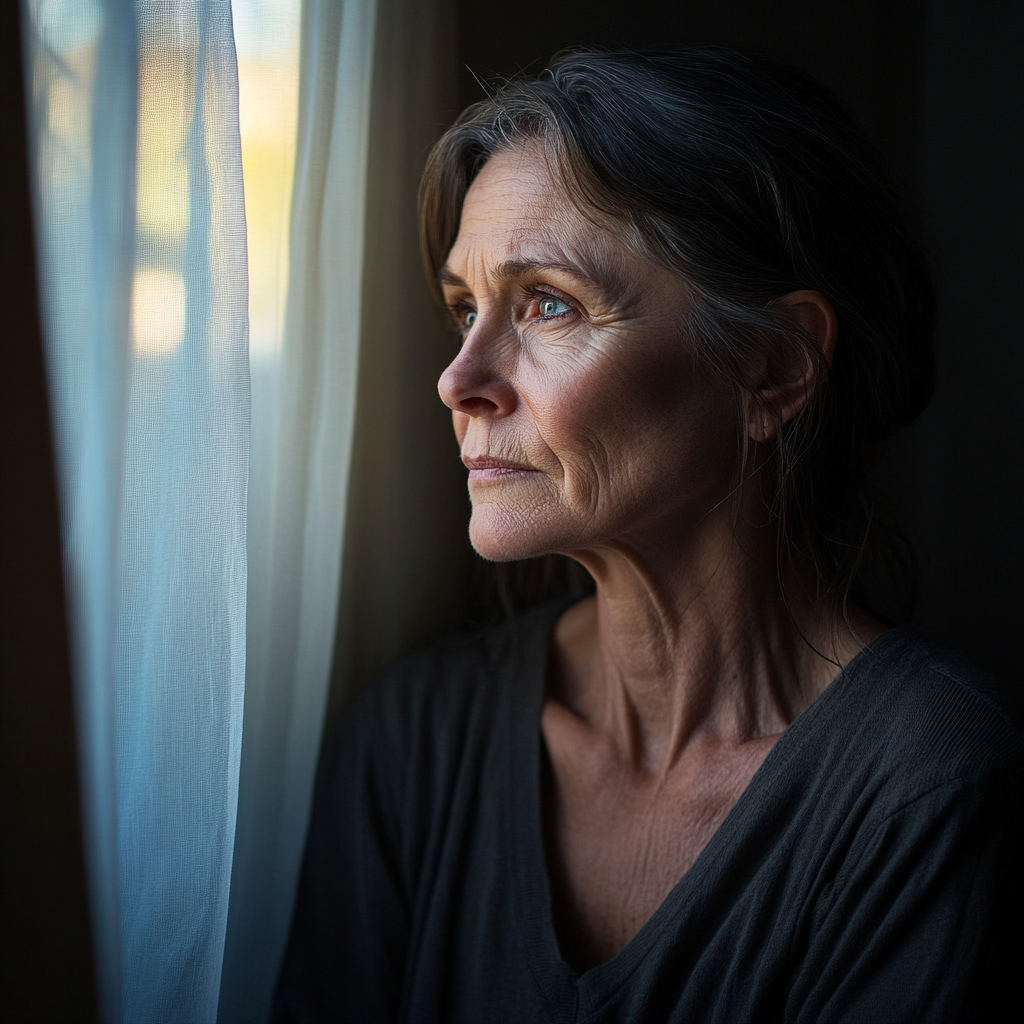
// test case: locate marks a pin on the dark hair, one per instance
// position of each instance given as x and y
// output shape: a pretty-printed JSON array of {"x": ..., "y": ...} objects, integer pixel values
[{"x": 751, "y": 180}]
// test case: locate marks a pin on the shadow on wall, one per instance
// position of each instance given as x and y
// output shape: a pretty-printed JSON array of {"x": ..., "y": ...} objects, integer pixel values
[{"x": 938, "y": 85}]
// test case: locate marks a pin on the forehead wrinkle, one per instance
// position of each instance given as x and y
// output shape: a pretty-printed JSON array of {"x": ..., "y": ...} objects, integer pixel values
[
  {"x": 582, "y": 266},
  {"x": 553, "y": 242},
  {"x": 530, "y": 253}
]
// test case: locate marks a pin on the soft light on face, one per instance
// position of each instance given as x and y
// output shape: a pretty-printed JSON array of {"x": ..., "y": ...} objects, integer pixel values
[{"x": 574, "y": 398}]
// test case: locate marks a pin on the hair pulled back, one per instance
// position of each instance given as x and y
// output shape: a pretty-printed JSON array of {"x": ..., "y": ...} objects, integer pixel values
[{"x": 750, "y": 180}]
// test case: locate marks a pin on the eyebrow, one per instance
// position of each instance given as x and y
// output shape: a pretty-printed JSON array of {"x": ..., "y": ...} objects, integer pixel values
[
  {"x": 509, "y": 269},
  {"x": 448, "y": 276}
]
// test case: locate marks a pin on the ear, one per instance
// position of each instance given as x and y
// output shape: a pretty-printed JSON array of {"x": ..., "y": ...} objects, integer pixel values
[{"x": 784, "y": 390}]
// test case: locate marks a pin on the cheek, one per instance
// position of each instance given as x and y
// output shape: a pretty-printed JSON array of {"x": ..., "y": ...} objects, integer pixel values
[
  {"x": 623, "y": 430},
  {"x": 604, "y": 404},
  {"x": 586, "y": 416}
]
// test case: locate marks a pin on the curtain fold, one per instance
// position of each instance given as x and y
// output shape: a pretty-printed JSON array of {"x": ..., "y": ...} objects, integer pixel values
[
  {"x": 81, "y": 84},
  {"x": 211, "y": 586},
  {"x": 357, "y": 515},
  {"x": 142, "y": 254},
  {"x": 297, "y": 500}
]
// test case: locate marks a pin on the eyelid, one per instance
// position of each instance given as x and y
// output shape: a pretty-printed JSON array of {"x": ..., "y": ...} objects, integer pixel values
[
  {"x": 463, "y": 304},
  {"x": 540, "y": 292},
  {"x": 459, "y": 309},
  {"x": 548, "y": 291}
]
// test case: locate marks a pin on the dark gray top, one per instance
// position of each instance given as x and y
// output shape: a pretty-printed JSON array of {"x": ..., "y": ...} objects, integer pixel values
[{"x": 869, "y": 872}]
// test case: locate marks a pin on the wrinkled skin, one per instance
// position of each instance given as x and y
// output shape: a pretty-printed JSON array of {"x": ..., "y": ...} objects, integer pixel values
[
  {"x": 598, "y": 399},
  {"x": 587, "y": 430}
]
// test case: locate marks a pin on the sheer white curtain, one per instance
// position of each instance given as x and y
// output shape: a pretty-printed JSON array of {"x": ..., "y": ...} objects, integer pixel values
[
  {"x": 205, "y": 578},
  {"x": 361, "y": 343},
  {"x": 144, "y": 286},
  {"x": 297, "y": 500}
]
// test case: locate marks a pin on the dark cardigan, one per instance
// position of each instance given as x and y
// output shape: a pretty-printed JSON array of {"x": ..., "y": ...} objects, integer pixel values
[{"x": 869, "y": 872}]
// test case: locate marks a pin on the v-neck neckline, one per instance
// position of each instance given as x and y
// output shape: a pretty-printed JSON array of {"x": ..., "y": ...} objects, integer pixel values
[{"x": 572, "y": 995}]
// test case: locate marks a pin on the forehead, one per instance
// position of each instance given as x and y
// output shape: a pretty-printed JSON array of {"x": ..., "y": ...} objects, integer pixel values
[{"x": 517, "y": 207}]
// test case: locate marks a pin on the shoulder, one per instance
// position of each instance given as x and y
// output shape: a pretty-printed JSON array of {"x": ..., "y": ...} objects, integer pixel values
[
  {"x": 434, "y": 682},
  {"x": 923, "y": 711},
  {"x": 431, "y": 701},
  {"x": 911, "y": 782},
  {"x": 418, "y": 749}
]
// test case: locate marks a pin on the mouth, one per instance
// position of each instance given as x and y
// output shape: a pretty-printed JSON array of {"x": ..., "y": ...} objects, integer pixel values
[{"x": 488, "y": 468}]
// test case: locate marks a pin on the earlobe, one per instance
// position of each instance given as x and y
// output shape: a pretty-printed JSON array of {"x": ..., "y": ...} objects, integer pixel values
[
  {"x": 764, "y": 428},
  {"x": 787, "y": 387},
  {"x": 760, "y": 428}
]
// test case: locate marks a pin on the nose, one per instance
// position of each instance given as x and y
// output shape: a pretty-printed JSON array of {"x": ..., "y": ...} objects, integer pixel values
[{"x": 474, "y": 382}]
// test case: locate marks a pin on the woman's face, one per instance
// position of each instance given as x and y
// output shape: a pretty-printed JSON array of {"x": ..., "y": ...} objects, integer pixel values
[{"x": 574, "y": 398}]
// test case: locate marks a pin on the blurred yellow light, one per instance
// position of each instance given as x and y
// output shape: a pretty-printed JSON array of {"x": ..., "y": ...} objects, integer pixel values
[
  {"x": 158, "y": 312},
  {"x": 268, "y": 103},
  {"x": 166, "y": 101}
]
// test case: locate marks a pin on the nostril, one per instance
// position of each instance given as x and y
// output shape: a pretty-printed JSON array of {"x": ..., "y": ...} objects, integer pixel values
[
  {"x": 477, "y": 406},
  {"x": 472, "y": 386}
]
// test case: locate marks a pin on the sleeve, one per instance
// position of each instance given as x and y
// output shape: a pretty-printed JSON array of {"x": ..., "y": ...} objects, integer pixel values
[
  {"x": 346, "y": 953},
  {"x": 924, "y": 922}
]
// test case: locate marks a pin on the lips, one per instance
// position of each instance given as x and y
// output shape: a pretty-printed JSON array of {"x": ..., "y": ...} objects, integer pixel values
[{"x": 486, "y": 467}]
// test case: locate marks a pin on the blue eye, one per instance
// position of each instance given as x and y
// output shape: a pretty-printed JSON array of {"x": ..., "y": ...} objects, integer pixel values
[
  {"x": 549, "y": 307},
  {"x": 469, "y": 319}
]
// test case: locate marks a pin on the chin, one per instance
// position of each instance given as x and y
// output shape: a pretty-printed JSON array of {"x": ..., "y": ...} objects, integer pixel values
[{"x": 501, "y": 535}]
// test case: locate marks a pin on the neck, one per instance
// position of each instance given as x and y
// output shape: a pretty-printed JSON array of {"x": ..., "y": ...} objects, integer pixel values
[{"x": 687, "y": 643}]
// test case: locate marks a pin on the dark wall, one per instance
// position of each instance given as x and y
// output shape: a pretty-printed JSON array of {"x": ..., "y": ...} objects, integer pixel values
[
  {"x": 937, "y": 83},
  {"x": 967, "y": 452},
  {"x": 46, "y": 962},
  {"x": 868, "y": 50}
]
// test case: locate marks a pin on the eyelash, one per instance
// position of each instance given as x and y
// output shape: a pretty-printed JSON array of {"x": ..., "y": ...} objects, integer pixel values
[
  {"x": 540, "y": 294},
  {"x": 461, "y": 310}
]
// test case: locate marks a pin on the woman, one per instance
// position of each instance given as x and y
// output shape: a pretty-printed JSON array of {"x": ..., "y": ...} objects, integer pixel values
[{"x": 721, "y": 788}]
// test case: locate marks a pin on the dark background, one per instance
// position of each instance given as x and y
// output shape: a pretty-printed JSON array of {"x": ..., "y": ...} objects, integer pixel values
[{"x": 939, "y": 85}]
